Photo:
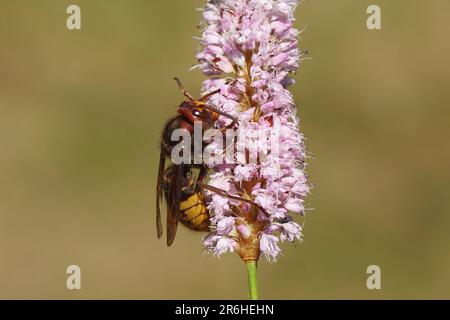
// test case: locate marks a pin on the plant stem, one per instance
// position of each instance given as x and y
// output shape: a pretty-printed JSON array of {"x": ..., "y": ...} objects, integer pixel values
[{"x": 252, "y": 283}]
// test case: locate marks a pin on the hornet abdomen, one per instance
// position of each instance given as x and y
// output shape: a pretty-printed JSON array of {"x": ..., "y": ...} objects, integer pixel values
[{"x": 194, "y": 213}]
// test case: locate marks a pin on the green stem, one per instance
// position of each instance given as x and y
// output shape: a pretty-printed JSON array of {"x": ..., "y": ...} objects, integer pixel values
[{"x": 252, "y": 283}]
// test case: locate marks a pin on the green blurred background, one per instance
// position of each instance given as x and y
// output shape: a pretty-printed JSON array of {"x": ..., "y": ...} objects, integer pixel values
[{"x": 80, "y": 118}]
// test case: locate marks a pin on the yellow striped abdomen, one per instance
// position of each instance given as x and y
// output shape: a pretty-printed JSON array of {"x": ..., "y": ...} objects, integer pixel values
[{"x": 194, "y": 213}]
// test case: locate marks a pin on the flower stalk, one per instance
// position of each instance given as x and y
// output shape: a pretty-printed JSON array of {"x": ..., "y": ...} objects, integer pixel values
[{"x": 252, "y": 280}]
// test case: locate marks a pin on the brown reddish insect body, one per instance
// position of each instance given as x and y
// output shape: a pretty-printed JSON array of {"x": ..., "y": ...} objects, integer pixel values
[{"x": 184, "y": 193}]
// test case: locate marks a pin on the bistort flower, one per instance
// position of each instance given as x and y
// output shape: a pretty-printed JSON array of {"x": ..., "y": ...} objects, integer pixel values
[{"x": 250, "y": 48}]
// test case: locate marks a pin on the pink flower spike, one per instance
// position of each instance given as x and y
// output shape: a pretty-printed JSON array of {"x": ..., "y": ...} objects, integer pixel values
[{"x": 251, "y": 47}]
